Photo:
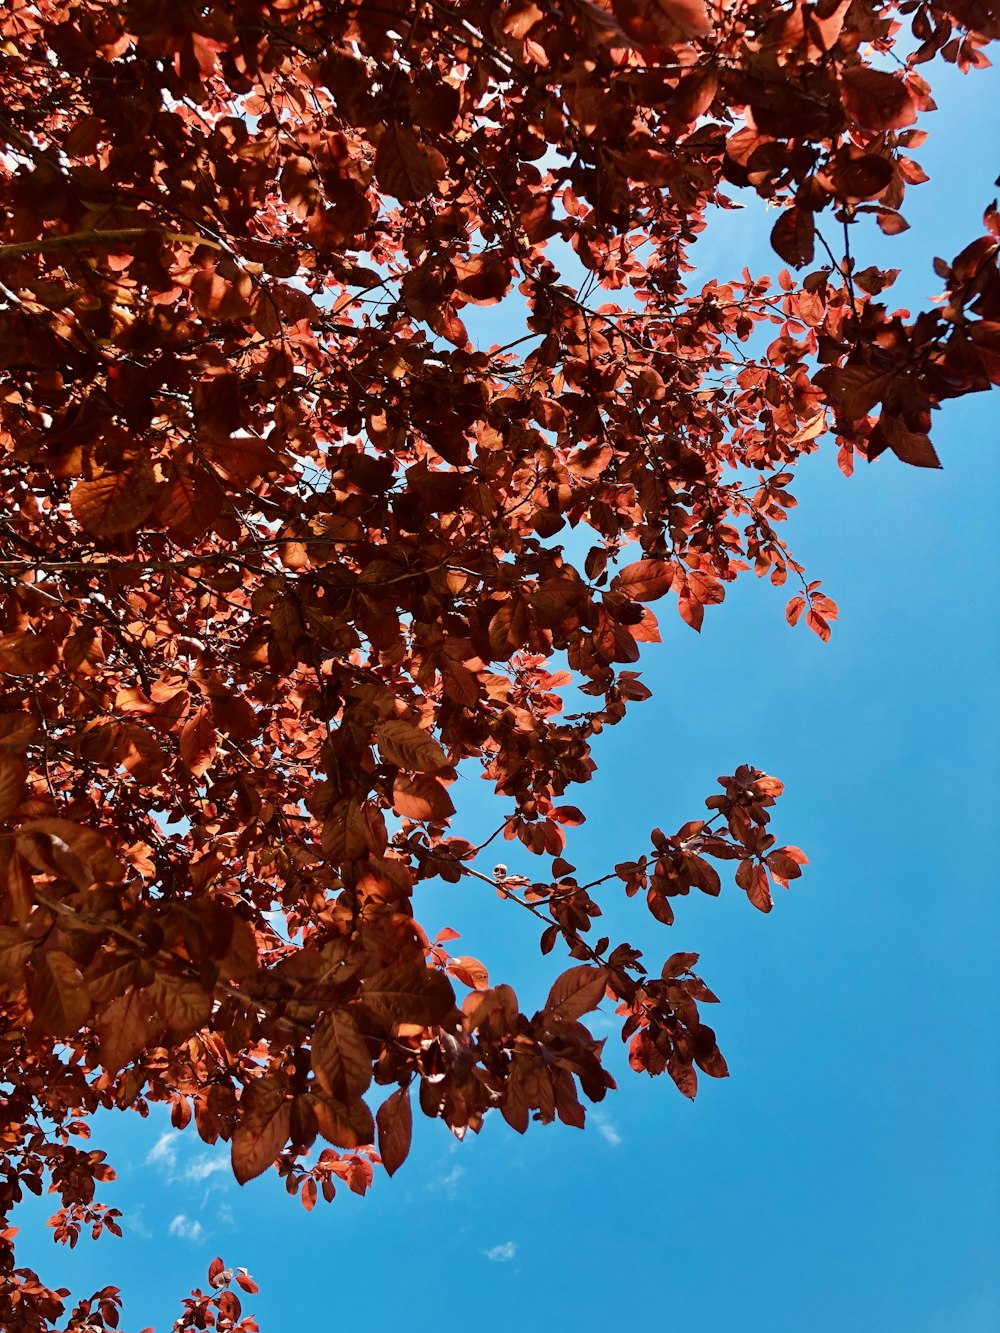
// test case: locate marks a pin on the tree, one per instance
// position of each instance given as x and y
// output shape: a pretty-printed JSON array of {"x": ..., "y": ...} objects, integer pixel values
[{"x": 284, "y": 545}]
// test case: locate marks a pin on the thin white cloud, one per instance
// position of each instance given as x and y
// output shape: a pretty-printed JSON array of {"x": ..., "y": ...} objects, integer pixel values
[
  {"x": 186, "y": 1228},
  {"x": 224, "y": 1215},
  {"x": 164, "y": 1152},
  {"x": 138, "y": 1225},
  {"x": 448, "y": 1184},
  {"x": 606, "y": 1129},
  {"x": 204, "y": 1166},
  {"x": 502, "y": 1254}
]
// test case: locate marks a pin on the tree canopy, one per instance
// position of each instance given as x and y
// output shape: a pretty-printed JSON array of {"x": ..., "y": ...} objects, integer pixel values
[{"x": 286, "y": 538}]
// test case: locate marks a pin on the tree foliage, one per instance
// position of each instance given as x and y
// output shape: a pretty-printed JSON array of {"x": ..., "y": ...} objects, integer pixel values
[{"x": 285, "y": 541}]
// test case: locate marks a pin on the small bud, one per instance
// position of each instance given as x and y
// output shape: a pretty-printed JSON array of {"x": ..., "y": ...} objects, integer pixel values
[{"x": 500, "y": 871}]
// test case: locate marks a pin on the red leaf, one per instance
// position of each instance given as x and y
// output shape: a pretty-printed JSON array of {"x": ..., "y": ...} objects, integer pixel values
[
  {"x": 678, "y": 963},
  {"x": 659, "y": 907},
  {"x": 818, "y": 625},
  {"x": 758, "y": 890},
  {"x": 123, "y": 1030},
  {"x": 63, "y": 848},
  {"x": 691, "y": 611}
]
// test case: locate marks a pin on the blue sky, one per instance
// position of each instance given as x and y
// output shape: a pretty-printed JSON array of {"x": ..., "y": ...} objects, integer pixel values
[{"x": 846, "y": 1175}]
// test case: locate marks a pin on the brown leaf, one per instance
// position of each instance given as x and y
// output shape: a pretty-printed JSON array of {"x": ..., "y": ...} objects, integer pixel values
[
  {"x": 644, "y": 580},
  {"x": 344, "y": 1126},
  {"x": 122, "y": 1029},
  {"x": 409, "y": 993},
  {"x": 66, "y": 849},
  {"x": 57, "y": 992},
  {"x": 659, "y": 906},
  {"x": 17, "y": 730},
  {"x": 15, "y": 950},
  {"x": 576, "y": 992},
  {"x": 421, "y": 798},
  {"x": 183, "y": 1002},
  {"x": 793, "y": 236},
  {"x": 114, "y": 502},
  {"x": 679, "y": 963},
  {"x": 483, "y": 278},
  {"x": 470, "y": 971},
  {"x": 758, "y": 890},
  {"x": 12, "y": 776},
  {"x": 25, "y": 653},
  {"x": 263, "y": 1129},
  {"x": 345, "y": 833},
  {"x": 400, "y": 742},
  {"x": 198, "y": 741},
  {"x": 877, "y": 100},
  {"x": 862, "y": 177},
  {"x": 406, "y": 167},
  {"x": 662, "y": 22},
  {"x": 340, "y": 1058},
  {"x": 395, "y": 1129}
]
